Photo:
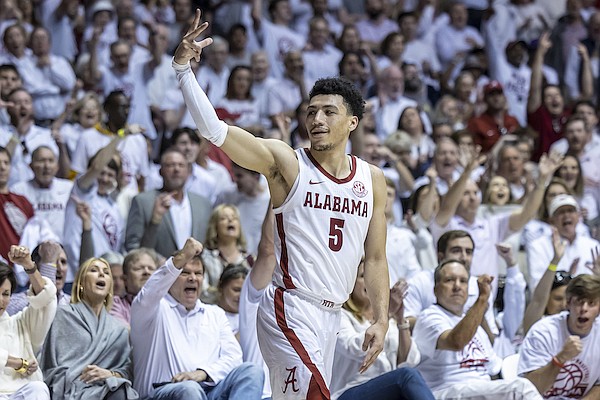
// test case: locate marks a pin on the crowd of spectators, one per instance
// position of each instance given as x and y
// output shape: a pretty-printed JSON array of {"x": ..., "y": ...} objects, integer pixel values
[{"x": 150, "y": 248}]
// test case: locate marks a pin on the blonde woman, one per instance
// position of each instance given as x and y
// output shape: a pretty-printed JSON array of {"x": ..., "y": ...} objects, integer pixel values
[
  {"x": 86, "y": 354},
  {"x": 225, "y": 243}
]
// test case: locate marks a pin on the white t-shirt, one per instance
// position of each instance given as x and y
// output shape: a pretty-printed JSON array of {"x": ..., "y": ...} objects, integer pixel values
[
  {"x": 277, "y": 41},
  {"x": 546, "y": 339},
  {"x": 49, "y": 204},
  {"x": 444, "y": 368}
]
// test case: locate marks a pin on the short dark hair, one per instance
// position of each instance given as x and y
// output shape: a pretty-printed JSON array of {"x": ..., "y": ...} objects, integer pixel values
[
  {"x": 437, "y": 274},
  {"x": 6, "y": 272},
  {"x": 112, "y": 96},
  {"x": 9, "y": 67},
  {"x": 353, "y": 99},
  {"x": 585, "y": 286},
  {"x": 345, "y": 58},
  {"x": 191, "y": 133},
  {"x": 583, "y": 103},
  {"x": 442, "y": 244}
]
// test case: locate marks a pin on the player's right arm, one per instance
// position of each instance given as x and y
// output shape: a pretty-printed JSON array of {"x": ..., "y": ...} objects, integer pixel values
[{"x": 272, "y": 158}]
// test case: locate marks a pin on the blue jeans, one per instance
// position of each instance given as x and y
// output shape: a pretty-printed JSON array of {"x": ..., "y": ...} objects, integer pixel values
[
  {"x": 243, "y": 382},
  {"x": 399, "y": 384}
]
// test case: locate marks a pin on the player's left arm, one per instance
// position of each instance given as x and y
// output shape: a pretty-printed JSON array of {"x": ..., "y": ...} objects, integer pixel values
[{"x": 377, "y": 279}]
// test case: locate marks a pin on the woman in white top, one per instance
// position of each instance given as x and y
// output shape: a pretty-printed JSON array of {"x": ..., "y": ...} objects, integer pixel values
[
  {"x": 383, "y": 380},
  {"x": 238, "y": 106},
  {"x": 22, "y": 335},
  {"x": 422, "y": 145},
  {"x": 570, "y": 171},
  {"x": 86, "y": 113}
]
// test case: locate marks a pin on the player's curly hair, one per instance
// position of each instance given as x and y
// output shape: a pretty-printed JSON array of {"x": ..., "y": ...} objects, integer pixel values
[{"x": 353, "y": 99}]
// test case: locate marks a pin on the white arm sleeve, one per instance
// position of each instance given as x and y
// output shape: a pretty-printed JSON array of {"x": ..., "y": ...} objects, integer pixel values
[{"x": 203, "y": 113}]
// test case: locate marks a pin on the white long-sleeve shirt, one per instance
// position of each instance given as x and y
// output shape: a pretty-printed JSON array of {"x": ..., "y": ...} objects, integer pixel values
[
  {"x": 167, "y": 339},
  {"x": 23, "y": 334}
]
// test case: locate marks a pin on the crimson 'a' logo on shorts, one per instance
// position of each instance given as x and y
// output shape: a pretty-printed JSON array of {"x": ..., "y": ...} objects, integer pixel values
[{"x": 291, "y": 380}]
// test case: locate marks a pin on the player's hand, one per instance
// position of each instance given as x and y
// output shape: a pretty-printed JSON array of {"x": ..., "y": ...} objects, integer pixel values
[
  {"x": 484, "y": 282},
  {"x": 373, "y": 344},
  {"x": 571, "y": 348},
  {"x": 189, "y": 48}
]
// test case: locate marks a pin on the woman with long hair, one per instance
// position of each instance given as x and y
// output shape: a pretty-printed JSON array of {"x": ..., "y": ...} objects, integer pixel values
[{"x": 87, "y": 353}]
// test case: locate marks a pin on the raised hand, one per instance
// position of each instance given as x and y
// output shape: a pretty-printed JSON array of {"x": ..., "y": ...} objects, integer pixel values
[
  {"x": 49, "y": 252},
  {"x": 505, "y": 251},
  {"x": 484, "y": 282},
  {"x": 162, "y": 203},
  {"x": 21, "y": 255},
  {"x": 550, "y": 163},
  {"x": 397, "y": 295},
  {"x": 83, "y": 211},
  {"x": 189, "y": 48},
  {"x": 559, "y": 246},
  {"x": 191, "y": 248},
  {"x": 595, "y": 267}
]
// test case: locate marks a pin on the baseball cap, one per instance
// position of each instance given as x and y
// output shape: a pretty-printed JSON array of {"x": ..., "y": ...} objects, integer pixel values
[
  {"x": 560, "y": 201},
  {"x": 493, "y": 86},
  {"x": 102, "y": 5}
]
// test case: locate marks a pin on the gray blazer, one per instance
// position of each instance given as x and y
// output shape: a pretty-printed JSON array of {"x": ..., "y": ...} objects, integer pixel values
[{"x": 141, "y": 233}]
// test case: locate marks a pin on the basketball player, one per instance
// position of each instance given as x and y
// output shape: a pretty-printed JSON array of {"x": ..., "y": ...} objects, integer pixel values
[
  {"x": 561, "y": 352},
  {"x": 329, "y": 211}
]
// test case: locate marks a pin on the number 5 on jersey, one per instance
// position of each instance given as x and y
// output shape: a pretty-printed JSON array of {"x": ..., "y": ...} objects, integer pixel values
[{"x": 336, "y": 235}]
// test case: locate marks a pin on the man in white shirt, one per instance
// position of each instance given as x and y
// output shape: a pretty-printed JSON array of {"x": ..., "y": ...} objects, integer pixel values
[
  {"x": 47, "y": 193},
  {"x": 457, "y": 356},
  {"x": 560, "y": 353},
  {"x": 320, "y": 57},
  {"x": 564, "y": 215},
  {"x": 185, "y": 349}
]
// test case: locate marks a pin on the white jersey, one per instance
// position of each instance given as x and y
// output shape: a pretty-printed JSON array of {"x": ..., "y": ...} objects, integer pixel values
[
  {"x": 546, "y": 339},
  {"x": 49, "y": 203},
  {"x": 321, "y": 229}
]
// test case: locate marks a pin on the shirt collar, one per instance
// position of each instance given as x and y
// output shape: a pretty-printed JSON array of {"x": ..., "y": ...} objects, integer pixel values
[{"x": 199, "y": 307}]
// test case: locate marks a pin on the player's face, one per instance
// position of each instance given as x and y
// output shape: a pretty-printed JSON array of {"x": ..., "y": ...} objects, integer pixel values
[
  {"x": 582, "y": 315},
  {"x": 138, "y": 273},
  {"x": 230, "y": 295},
  {"x": 459, "y": 249},
  {"x": 328, "y": 122},
  {"x": 452, "y": 289},
  {"x": 186, "y": 288}
]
